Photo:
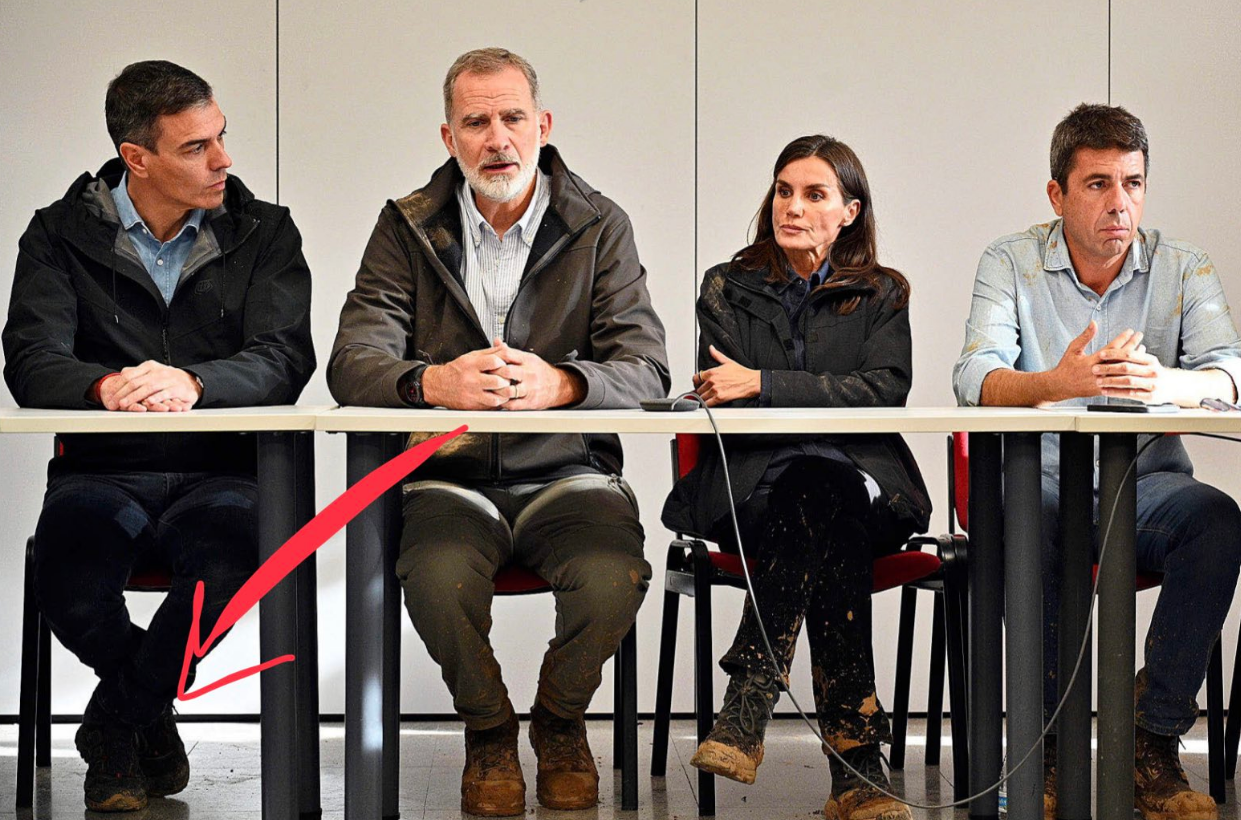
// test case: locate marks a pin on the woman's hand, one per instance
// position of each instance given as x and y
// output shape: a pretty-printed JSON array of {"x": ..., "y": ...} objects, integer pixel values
[{"x": 728, "y": 382}]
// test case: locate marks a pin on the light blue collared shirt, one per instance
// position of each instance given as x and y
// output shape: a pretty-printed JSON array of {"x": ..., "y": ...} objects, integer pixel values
[
  {"x": 162, "y": 260},
  {"x": 491, "y": 268},
  {"x": 1028, "y": 304}
]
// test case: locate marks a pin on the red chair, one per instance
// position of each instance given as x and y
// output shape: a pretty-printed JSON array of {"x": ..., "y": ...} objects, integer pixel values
[
  {"x": 1216, "y": 754},
  {"x": 693, "y": 569}
]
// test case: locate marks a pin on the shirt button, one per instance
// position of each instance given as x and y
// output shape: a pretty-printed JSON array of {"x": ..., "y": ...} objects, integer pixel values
[{"x": 159, "y": 261}]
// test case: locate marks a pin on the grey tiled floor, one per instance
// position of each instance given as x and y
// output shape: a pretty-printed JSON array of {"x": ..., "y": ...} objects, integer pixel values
[{"x": 793, "y": 781}]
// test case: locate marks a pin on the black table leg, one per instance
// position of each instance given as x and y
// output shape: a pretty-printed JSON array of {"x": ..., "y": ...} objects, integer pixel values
[
  {"x": 277, "y": 481},
  {"x": 1023, "y": 602},
  {"x": 1117, "y": 590},
  {"x": 1074, "y": 724},
  {"x": 392, "y": 620},
  {"x": 307, "y": 638},
  {"x": 365, "y": 641},
  {"x": 986, "y": 603}
]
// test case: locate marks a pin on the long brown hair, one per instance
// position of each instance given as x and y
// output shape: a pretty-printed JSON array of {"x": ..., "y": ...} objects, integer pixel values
[{"x": 854, "y": 256}]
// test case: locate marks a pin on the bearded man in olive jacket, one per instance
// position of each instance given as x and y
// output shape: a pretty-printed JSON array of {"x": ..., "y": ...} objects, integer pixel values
[{"x": 508, "y": 283}]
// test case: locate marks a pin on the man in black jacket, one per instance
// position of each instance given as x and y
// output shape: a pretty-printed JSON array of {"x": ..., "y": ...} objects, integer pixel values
[{"x": 158, "y": 285}]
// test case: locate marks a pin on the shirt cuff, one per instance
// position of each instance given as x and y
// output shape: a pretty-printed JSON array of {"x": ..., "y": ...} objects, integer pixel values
[
  {"x": 968, "y": 384},
  {"x": 764, "y": 390}
]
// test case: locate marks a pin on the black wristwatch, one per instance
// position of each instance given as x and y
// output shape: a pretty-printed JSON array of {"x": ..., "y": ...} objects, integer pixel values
[{"x": 411, "y": 387}]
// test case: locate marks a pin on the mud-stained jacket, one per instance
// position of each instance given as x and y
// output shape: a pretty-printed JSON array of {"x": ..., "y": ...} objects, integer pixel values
[
  {"x": 84, "y": 306},
  {"x": 582, "y": 305},
  {"x": 861, "y": 359}
]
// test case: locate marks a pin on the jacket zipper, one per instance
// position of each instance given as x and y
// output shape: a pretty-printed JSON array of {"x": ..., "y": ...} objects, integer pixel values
[{"x": 552, "y": 252}]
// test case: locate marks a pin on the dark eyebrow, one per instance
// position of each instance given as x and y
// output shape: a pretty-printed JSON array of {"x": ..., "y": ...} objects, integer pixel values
[
  {"x": 196, "y": 143},
  {"x": 821, "y": 185}
]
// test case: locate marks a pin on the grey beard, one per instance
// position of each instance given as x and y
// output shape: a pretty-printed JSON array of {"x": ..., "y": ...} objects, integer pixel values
[{"x": 500, "y": 190}]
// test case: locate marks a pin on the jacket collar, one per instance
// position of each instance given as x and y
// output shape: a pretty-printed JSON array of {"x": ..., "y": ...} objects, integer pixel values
[
  {"x": 95, "y": 218},
  {"x": 570, "y": 196},
  {"x": 434, "y": 216}
]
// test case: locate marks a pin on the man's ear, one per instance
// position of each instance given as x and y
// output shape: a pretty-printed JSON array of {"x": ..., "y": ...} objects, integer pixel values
[
  {"x": 135, "y": 157},
  {"x": 446, "y": 136},
  {"x": 1055, "y": 195},
  {"x": 545, "y": 126}
]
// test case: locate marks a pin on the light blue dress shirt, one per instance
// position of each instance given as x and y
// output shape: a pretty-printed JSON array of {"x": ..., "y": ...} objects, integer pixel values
[
  {"x": 491, "y": 268},
  {"x": 162, "y": 260},
  {"x": 1028, "y": 304}
]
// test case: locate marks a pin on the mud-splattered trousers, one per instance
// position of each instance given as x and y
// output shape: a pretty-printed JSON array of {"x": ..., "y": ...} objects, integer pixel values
[
  {"x": 96, "y": 528},
  {"x": 581, "y": 534},
  {"x": 815, "y": 532},
  {"x": 1190, "y": 532}
]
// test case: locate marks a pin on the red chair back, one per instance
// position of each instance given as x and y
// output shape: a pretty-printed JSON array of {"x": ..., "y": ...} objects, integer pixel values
[{"x": 685, "y": 453}]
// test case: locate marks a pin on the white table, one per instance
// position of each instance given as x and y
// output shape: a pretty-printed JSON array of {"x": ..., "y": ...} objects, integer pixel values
[{"x": 289, "y": 692}]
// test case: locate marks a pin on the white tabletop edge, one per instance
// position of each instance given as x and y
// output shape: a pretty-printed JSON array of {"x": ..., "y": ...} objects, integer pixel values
[{"x": 237, "y": 419}]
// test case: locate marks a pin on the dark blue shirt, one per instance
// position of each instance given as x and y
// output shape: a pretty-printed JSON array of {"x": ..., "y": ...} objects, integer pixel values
[{"x": 795, "y": 297}]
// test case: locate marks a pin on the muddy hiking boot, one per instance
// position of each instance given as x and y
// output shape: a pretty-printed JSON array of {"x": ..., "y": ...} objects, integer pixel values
[
  {"x": 114, "y": 779},
  {"x": 567, "y": 776},
  {"x": 491, "y": 783},
  {"x": 734, "y": 747},
  {"x": 1160, "y": 789},
  {"x": 855, "y": 799},
  {"x": 1049, "y": 778},
  {"x": 161, "y": 754}
]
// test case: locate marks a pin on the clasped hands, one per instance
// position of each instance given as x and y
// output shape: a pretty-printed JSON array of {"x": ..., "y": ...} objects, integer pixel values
[
  {"x": 500, "y": 378},
  {"x": 1122, "y": 369},
  {"x": 149, "y": 386}
]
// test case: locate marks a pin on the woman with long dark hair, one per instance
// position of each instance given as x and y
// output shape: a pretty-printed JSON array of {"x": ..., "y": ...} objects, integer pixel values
[{"x": 805, "y": 316}]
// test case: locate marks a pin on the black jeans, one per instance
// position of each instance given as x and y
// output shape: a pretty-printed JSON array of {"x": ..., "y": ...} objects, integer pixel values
[
  {"x": 96, "y": 528},
  {"x": 815, "y": 533}
]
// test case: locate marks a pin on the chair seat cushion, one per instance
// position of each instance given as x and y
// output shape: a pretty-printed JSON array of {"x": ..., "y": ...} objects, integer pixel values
[
  {"x": 902, "y": 568},
  {"x": 890, "y": 570},
  {"x": 513, "y": 580}
]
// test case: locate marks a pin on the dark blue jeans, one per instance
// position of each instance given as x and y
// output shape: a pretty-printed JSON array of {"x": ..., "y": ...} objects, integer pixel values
[
  {"x": 1191, "y": 532},
  {"x": 96, "y": 528}
]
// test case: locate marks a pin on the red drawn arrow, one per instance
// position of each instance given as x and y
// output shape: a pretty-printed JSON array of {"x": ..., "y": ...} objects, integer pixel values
[{"x": 284, "y": 560}]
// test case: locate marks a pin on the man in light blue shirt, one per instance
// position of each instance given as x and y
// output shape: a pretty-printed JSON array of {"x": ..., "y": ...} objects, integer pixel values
[{"x": 1044, "y": 303}]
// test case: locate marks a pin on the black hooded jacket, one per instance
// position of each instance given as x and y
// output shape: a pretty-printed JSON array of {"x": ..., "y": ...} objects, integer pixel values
[{"x": 84, "y": 306}]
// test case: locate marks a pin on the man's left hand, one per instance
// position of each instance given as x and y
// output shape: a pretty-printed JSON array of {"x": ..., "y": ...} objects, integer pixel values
[
  {"x": 157, "y": 387},
  {"x": 533, "y": 383},
  {"x": 1135, "y": 374}
]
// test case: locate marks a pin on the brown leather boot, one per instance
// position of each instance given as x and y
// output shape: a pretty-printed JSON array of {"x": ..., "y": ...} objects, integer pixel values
[
  {"x": 1050, "y": 798},
  {"x": 855, "y": 799},
  {"x": 1160, "y": 788},
  {"x": 491, "y": 783},
  {"x": 567, "y": 778}
]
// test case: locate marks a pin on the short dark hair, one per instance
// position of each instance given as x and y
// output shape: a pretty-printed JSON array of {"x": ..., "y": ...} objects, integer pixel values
[
  {"x": 1098, "y": 127},
  {"x": 143, "y": 92}
]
